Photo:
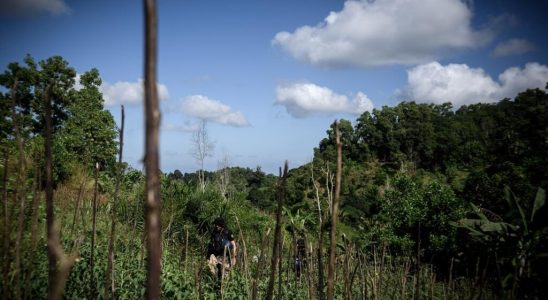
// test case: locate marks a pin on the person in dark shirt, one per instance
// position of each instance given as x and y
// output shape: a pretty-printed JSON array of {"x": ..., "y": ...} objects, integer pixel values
[
  {"x": 300, "y": 257},
  {"x": 221, "y": 250}
]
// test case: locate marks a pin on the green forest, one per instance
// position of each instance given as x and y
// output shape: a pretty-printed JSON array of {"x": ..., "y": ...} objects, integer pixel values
[{"x": 433, "y": 202}]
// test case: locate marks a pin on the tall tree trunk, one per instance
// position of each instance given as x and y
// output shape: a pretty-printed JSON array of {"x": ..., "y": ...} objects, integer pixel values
[
  {"x": 92, "y": 286},
  {"x": 332, "y": 247},
  {"x": 7, "y": 260},
  {"x": 152, "y": 117},
  {"x": 277, "y": 232},
  {"x": 109, "y": 278},
  {"x": 50, "y": 217}
]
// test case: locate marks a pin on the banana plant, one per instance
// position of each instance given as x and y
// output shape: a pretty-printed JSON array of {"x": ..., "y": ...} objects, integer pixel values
[{"x": 516, "y": 243}]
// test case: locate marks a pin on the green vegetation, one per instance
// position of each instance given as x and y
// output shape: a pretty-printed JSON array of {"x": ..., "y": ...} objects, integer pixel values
[{"x": 435, "y": 202}]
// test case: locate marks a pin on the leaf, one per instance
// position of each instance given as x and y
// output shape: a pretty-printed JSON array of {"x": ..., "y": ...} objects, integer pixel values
[
  {"x": 540, "y": 200},
  {"x": 508, "y": 194},
  {"x": 478, "y": 212}
]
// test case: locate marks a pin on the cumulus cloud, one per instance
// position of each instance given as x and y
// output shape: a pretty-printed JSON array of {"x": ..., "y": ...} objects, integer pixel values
[
  {"x": 201, "y": 107},
  {"x": 129, "y": 93},
  {"x": 302, "y": 99},
  {"x": 384, "y": 32},
  {"x": 461, "y": 84},
  {"x": 513, "y": 47},
  {"x": 30, "y": 7}
]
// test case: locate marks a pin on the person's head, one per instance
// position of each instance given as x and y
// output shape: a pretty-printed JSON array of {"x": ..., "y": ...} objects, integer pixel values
[{"x": 219, "y": 223}]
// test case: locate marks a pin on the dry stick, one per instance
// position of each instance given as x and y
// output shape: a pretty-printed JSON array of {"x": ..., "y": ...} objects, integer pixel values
[
  {"x": 7, "y": 260},
  {"x": 186, "y": 248},
  {"x": 320, "y": 238},
  {"x": 92, "y": 289},
  {"x": 34, "y": 228},
  {"x": 308, "y": 271},
  {"x": 223, "y": 271},
  {"x": 259, "y": 270},
  {"x": 320, "y": 263},
  {"x": 280, "y": 264},
  {"x": 278, "y": 232},
  {"x": 332, "y": 247},
  {"x": 246, "y": 270},
  {"x": 152, "y": 116},
  {"x": 77, "y": 208},
  {"x": 109, "y": 278},
  {"x": 417, "y": 295}
]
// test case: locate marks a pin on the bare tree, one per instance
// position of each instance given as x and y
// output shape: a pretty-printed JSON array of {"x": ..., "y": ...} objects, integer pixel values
[
  {"x": 202, "y": 148},
  {"x": 335, "y": 211},
  {"x": 223, "y": 175},
  {"x": 152, "y": 168}
]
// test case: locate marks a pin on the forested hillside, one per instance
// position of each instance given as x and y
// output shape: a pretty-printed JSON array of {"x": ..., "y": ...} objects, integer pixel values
[{"x": 435, "y": 202}]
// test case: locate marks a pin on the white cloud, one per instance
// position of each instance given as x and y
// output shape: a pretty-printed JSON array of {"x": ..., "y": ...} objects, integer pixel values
[
  {"x": 302, "y": 99},
  {"x": 460, "y": 84},
  {"x": 124, "y": 92},
  {"x": 30, "y": 7},
  {"x": 384, "y": 32},
  {"x": 202, "y": 107},
  {"x": 513, "y": 47},
  {"x": 186, "y": 127},
  {"x": 514, "y": 80}
]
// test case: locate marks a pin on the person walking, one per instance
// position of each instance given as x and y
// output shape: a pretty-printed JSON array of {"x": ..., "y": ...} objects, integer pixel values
[{"x": 221, "y": 251}]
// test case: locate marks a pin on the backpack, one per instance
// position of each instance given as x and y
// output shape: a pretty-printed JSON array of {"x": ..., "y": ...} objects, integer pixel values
[{"x": 218, "y": 243}]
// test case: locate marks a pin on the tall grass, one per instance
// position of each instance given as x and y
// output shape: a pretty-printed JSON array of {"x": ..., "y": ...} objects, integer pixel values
[{"x": 371, "y": 273}]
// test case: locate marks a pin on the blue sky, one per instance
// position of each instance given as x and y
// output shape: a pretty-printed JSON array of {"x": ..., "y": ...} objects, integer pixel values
[{"x": 269, "y": 77}]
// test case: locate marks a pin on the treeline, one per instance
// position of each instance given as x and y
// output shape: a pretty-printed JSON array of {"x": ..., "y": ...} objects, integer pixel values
[
  {"x": 83, "y": 132},
  {"x": 462, "y": 189}
]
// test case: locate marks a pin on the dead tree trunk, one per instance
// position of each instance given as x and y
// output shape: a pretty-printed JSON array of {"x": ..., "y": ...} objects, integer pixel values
[
  {"x": 332, "y": 247},
  {"x": 152, "y": 120},
  {"x": 109, "y": 278},
  {"x": 278, "y": 232}
]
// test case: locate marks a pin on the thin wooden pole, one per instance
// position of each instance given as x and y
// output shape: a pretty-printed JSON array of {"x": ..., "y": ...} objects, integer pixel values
[
  {"x": 92, "y": 284},
  {"x": 277, "y": 233},
  {"x": 331, "y": 267},
  {"x": 152, "y": 120},
  {"x": 109, "y": 279}
]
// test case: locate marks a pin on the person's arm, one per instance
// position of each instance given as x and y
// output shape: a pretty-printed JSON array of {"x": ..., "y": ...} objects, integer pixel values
[
  {"x": 232, "y": 247},
  {"x": 233, "y": 258}
]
